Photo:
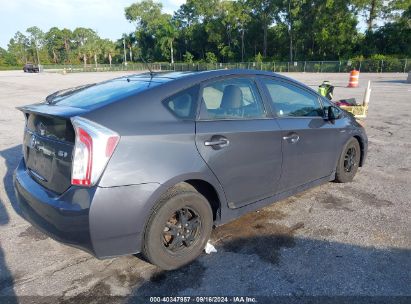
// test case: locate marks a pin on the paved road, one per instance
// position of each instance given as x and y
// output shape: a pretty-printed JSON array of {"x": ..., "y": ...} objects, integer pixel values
[{"x": 352, "y": 239}]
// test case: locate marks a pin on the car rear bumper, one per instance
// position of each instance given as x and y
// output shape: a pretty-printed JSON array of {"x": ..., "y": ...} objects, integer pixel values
[
  {"x": 57, "y": 216},
  {"x": 105, "y": 222}
]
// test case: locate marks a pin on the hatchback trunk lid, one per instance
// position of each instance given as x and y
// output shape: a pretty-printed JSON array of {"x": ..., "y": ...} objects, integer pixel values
[{"x": 48, "y": 145}]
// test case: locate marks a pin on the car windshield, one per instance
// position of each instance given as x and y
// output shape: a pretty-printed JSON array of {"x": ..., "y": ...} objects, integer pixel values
[{"x": 92, "y": 95}]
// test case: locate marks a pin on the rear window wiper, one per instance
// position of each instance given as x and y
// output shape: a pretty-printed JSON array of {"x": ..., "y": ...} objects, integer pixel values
[{"x": 51, "y": 99}]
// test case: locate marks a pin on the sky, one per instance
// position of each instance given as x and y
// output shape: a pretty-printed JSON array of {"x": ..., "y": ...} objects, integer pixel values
[{"x": 106, "y": 17}]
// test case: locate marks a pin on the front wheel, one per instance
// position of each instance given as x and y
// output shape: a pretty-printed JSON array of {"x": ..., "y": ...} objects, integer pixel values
[
  {"x": 349, "y": 162},
  {"x": 178, "y": 228}
]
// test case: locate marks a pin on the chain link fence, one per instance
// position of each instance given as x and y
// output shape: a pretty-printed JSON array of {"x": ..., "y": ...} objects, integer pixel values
[
  {"x": 370, "y": 66},
  {"x": 343, "y": 66}
]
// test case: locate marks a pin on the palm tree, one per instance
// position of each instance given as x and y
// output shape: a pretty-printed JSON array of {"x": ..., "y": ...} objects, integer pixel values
[
  {"x": 109, "y": 49},
  {"x": 84, "y": 37},
  {"x": 95, "y": 49},
  {"x": 168, "y": 33},
  {"x": 130, "y": 40},
  {"x": 67, "y": 37},
  {"x": 37, "y": 39}
]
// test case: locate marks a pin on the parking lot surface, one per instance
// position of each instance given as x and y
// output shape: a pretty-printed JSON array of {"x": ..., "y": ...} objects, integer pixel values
[{"x": 334, "y": 240}]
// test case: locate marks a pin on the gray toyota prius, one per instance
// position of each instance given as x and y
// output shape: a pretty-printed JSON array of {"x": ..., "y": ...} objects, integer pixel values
[{"x": 151, "y": 162}]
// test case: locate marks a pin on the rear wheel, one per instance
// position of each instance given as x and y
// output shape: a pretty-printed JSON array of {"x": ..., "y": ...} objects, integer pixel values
[
  {"x": 178, "y": 228},
  {"x": 349, "y": 162}
]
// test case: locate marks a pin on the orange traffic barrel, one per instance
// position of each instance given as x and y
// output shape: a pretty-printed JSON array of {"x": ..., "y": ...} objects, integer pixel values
[{"x": 354, "y": 76}]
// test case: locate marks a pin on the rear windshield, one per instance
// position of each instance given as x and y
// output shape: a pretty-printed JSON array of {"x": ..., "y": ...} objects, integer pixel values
[
  {"x": 51, "y": 127},
  {"x": 103, "y": 93}
]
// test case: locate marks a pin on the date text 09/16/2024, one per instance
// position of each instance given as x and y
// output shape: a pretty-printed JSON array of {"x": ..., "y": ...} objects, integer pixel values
[{"x": 203, "y": 299}]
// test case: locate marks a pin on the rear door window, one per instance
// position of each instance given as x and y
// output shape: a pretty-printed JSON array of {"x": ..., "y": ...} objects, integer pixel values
[
  {"x": 234, "y": 98},
  {"x": 291, "y": 101}
]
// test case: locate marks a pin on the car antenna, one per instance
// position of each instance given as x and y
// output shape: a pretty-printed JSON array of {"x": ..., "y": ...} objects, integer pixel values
[{"x": 147, "y": 65}]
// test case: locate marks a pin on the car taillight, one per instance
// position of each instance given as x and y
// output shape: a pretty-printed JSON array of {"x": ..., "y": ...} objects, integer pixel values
[{"x": 93, "y": 148}]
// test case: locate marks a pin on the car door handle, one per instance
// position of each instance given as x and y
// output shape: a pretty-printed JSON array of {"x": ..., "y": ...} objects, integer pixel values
[
  {"x": 293, "y": 138},
  {"x": 222, "y": 142}
]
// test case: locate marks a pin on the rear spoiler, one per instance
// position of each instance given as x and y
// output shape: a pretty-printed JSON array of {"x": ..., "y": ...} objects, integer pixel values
[{"x": 52, "y": 110}]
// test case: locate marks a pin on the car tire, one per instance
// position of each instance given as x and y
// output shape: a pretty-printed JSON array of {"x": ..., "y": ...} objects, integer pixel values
[
  {"x": 178, "y": 228},
  {"x": 348, "y": 162}
]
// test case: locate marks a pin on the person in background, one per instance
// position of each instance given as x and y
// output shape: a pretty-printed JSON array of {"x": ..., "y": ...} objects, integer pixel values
[{"x": 326, "y": 89}]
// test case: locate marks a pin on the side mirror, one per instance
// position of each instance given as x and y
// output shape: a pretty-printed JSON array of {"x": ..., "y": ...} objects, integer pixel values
[{"x": 333, "y": 113}]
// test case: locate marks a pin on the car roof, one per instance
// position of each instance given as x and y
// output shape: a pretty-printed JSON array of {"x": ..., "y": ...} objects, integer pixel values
[
  {"x": 197, "y": 75},
  {"x": 193, "y": 77}
]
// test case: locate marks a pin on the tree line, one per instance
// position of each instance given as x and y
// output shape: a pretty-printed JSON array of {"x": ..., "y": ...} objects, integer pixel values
[{"x": 227, "y": 31}]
